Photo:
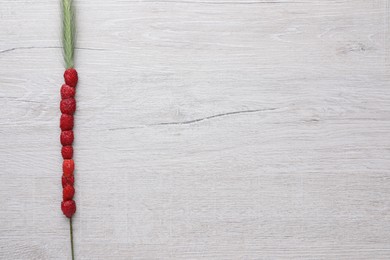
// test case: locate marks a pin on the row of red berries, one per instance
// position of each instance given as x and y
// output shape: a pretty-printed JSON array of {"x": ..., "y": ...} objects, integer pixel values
[{"x": 68, "y": 107}]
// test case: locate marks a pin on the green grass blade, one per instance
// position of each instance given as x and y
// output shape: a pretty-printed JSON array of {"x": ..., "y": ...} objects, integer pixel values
[{"x": 68, "y": 32}]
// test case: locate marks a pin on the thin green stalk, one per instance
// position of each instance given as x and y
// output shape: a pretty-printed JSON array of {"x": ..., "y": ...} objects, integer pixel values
[
  {"x": 68, "y": 32},
  {"x": 71, "y": 237},
  {"x": 68, "y": 43}
]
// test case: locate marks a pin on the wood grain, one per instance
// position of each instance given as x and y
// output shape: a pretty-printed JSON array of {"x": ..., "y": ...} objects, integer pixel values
[{"x": 205, "y": 129}]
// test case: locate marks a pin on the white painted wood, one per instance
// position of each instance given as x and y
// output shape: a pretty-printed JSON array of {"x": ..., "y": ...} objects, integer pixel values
[{"x": 205, "y": 129}]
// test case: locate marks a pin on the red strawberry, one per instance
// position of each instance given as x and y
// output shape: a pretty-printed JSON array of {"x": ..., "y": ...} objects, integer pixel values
[
  {"x": 67, "y": 180},
  {"x": 67, "y": 91},
  {"x": 71, "y": 77},
  {"x": 68, "y": 167},
  {"x": 66, "y": 122},
  {"x": 68, "y": 192},
  {"x": 68, "y": 208},
  {"x": 67, "y": 152},
  {"x": 67, "y": 137},
  {"x": 68, "y": 106}
]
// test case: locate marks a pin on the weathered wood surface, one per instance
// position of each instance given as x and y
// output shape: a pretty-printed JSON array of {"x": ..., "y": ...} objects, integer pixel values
[{"x": 205, "y": 130}]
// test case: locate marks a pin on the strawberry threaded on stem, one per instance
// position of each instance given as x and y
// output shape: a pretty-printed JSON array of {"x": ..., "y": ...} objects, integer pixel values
[
  {"x": 67, "y": 152},
  {"x": 71, "y": 77},
  {"x": 67, "y": 181},
  {"x": 67, "y": 137},
  {"x": 68, "y": 207},
  {"x": 68, "y": 106},
  {"x": 68, "y": 192},
  {"x": 66, "y": 122},
  {"x": 67, "y": 91}
]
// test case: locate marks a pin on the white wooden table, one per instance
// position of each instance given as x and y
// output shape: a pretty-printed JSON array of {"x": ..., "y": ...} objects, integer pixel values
[{"x": 206, "y": 129}]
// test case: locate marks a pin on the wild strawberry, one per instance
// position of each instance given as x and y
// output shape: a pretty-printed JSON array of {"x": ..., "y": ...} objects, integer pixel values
[
  {"x": 68, "y": 208},
  {"x": 68, "y": 167},
  {"x": 67, "y": 91},
  {"x": 67, "y": 181},
  {"x": 66, "y": 122},
  {"x": 68, "y": 106},
  {"x": 71, "y": 77},
  {"x": 67, "y": 152},
  {"x": 67, "y": 137},
  {"x": 68, "y": 192}
]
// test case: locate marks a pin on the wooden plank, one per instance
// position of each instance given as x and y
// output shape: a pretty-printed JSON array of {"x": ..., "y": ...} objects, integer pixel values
[{"x": 205, "y": 130}]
